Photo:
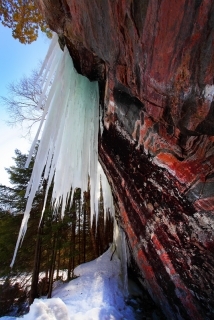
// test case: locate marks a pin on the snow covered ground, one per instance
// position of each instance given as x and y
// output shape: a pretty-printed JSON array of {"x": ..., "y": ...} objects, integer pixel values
[{"x": 96, "y": 294}]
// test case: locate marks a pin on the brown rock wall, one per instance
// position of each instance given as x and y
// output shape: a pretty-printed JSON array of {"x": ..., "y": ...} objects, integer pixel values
[{"x": 154, "y": 60}]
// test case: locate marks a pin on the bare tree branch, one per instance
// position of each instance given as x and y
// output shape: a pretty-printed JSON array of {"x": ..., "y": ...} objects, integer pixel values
[{"x": 23, "y": 100}]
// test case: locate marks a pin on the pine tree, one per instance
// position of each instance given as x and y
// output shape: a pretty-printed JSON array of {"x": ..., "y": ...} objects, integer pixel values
[
  {"x": 54, "y": 244},
  {"x": 13, "y": 198},
  {"x": 12, "y": 204},
  {"x": 9, "y": 228}
]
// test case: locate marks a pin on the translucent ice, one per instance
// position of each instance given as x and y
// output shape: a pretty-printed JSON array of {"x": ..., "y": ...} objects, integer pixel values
[{"x": 68, "y": 149}]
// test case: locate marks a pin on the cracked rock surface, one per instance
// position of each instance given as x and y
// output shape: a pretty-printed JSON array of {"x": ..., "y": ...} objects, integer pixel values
[{"x": 154, "y": 61}]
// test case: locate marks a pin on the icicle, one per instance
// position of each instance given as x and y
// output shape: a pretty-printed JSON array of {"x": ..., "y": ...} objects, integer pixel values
[
  {"x": 68, "y": 151},
  {"x": 107, "y": 194},
  {"x": 122, "y": 251},
  {"x": 101, "y": 122}
]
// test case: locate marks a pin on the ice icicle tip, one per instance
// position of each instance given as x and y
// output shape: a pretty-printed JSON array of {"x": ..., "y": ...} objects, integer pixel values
[{"x": 21, "y": 235}]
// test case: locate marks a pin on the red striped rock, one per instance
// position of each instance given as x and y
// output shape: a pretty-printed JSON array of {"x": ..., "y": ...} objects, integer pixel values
[{"x": 154, "y": 61}]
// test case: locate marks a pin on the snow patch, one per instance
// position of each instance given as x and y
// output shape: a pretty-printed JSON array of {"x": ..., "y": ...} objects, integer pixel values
[
  {"x": 209, "y": 92},
  {"x": 97, "y": 294},
  {"x": 50, "y": 309}
]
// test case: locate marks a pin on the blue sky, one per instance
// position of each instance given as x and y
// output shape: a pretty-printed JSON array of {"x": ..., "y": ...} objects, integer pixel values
[{"x": 16, "y": 60}]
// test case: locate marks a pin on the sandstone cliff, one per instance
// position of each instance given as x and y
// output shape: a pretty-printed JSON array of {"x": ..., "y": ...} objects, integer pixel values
[{"x": 154, "y": 60}]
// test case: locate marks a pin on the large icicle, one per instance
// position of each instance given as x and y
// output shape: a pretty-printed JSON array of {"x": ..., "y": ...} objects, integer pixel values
[
  {"x": 107, "y": 194},
  {"x": 68, "y": 149}
]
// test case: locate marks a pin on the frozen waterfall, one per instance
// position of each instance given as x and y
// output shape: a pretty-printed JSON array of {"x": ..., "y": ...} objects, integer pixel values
[{"x": 68, "y": 149}]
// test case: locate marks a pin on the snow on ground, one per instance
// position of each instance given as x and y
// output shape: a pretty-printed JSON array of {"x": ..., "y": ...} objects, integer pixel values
[{"x": 96, "y": 294}]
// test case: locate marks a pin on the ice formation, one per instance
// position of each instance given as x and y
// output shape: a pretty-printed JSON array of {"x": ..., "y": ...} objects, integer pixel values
[
  {"x": 123, "y": 254},
  {"x": 68, "y": 149}
]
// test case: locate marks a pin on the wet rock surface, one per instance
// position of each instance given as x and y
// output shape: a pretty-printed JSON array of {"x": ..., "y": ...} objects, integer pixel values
[
  {"x": 142, "y": 304},
  {"x": 154, "y": 61}
]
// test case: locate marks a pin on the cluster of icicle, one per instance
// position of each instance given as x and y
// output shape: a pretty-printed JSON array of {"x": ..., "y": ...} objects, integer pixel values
[{"x": 68, "y": 148}]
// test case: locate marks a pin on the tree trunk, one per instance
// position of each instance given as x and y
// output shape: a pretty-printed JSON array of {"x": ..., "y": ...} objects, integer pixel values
[
  {"x": 52, "y": 269},
  {"x": 37, "y": 258},
  {"x": 84, "y": 234},
  {"x": 71, "y": 261}
]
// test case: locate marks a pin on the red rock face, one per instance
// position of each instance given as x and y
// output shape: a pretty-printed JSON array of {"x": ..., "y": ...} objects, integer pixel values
[{"x": 155, "y": 64}]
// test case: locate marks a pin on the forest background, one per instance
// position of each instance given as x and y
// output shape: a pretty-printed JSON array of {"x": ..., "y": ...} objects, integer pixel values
[{"x": 52, "y": 247}]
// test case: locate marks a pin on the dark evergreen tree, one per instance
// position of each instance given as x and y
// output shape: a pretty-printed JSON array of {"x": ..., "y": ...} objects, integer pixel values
[
  {"x": 13, "y": 202},
  {"x": 13, "y": 198},
  {"x": 54, "y": 244},
  {"x": 9, "y": 227}
]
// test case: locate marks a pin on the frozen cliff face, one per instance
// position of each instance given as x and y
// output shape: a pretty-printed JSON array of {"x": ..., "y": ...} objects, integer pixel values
[{"x": 154, "y": 61}]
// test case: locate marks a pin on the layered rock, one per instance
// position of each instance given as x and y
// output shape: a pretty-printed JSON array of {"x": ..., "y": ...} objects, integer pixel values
[{"x": 154, "y": 61}]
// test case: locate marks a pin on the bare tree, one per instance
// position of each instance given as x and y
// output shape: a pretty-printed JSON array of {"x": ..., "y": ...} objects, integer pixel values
[{"x": 23, "y": 99}]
